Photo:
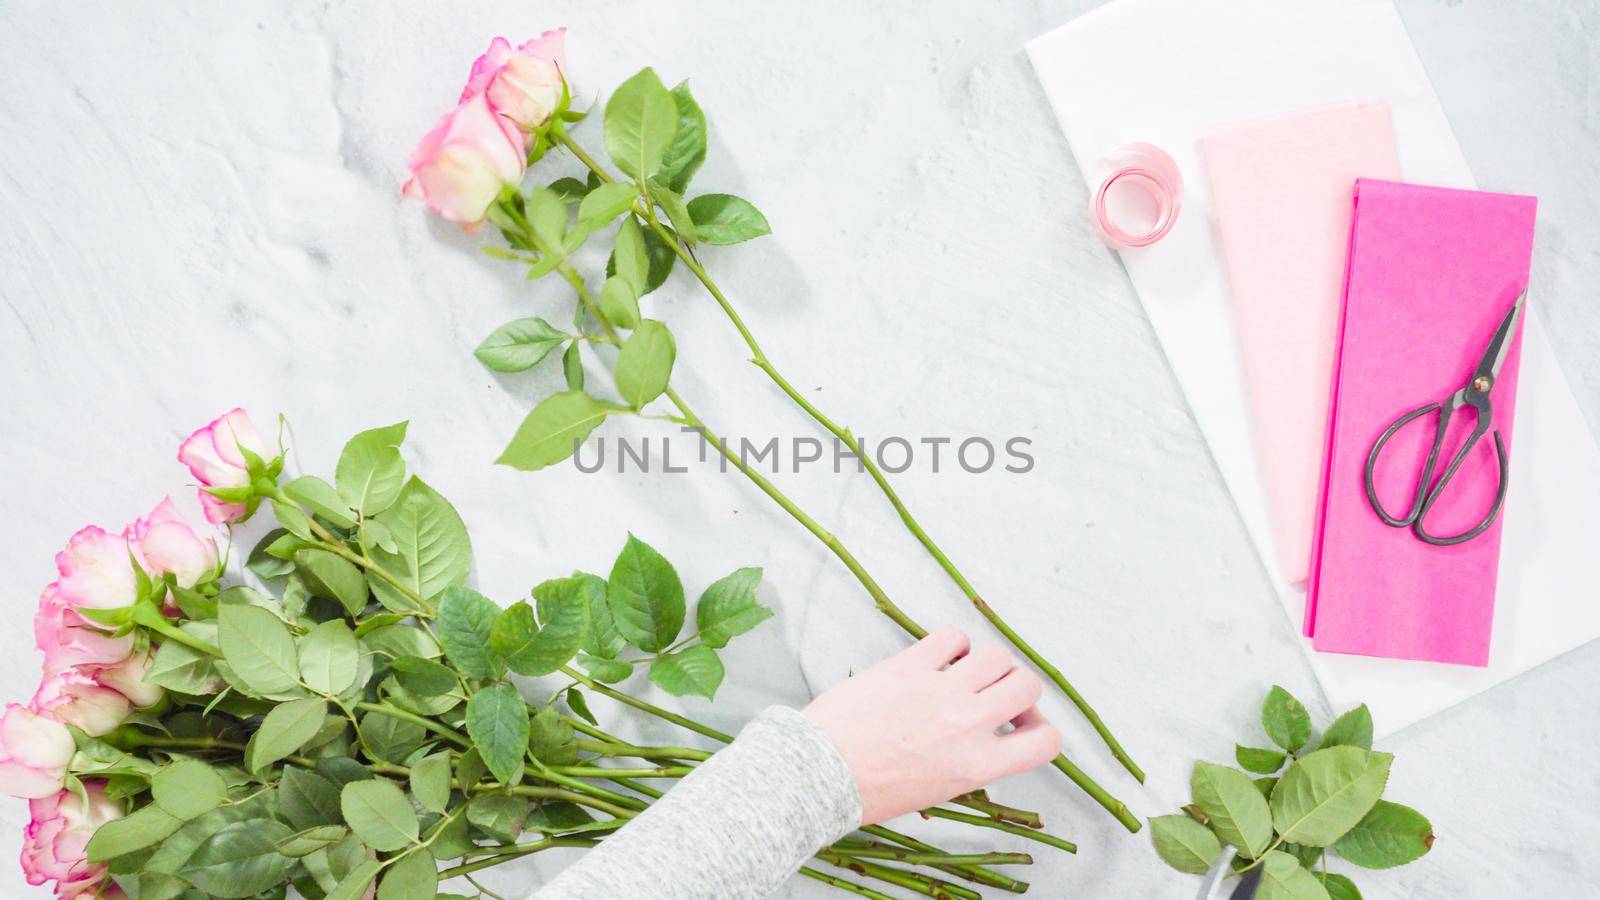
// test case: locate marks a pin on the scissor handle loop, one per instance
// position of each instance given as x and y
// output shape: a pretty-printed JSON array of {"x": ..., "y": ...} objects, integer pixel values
[
  {"x": 1427, "y": 470},
  {"x": 1494, "y": 510}
]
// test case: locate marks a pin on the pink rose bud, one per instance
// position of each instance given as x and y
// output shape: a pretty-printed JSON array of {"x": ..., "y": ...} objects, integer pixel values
[
  {"x": 213, "y": 457},
  {"x": 524, "y": 85},
  {"x": 97, "y": 570},
  {"x": 461, "y": 166},
  {"x": 76, "y": 697},
  {"x": 165, "y": 544},
  {"x": 55, "y": 841},
  {"x": 34, "y": 752},
  {"x": 68, "y": 639}
]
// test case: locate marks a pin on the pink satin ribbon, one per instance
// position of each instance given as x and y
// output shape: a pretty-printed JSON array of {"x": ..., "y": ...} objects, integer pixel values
[{"x": 1148, "y": 168}]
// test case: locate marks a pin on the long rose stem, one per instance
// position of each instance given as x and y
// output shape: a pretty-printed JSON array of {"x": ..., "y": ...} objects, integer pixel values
[
  {"x": 760, "y": 359},
  {"x": 881, "y": 600}
]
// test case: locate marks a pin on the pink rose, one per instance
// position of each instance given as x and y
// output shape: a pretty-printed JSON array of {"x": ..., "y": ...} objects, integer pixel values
[
  {"x": 34, "y": 752},
  {"x": 96, "y": 570},
  {"x": 68, "y": 639},
  {"x": 461, "y": 166},
  {"x": 213, "y": 457},
  {"x": 164, "y": 543},
  {"x": 54, "y": 843},
  {"x": 526, "y": 84},
  {"x": 126, "y": 677},
  {"x": 77, "y": 697}
]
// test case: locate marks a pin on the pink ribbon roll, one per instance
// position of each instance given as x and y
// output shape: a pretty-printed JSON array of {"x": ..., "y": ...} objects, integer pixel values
[{"x": 1137, "y": 202}]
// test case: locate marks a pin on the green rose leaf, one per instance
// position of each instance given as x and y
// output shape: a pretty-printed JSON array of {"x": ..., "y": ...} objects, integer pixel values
[
  {"x": 370, "y": 472},
  {"x": 677, "y": 211},
  {"x": 553, "y": 430},
  {"x": 390, "y": 739},
  {"x": 179, "y": 667},
  {"x": 1184, "y": 844},
  {"x": 142, "y": 828},
  {"x": 547, "y": 219},
  {"x": 605, "y": 203},
  {"x": 304, "y": 843},
  {"x": 1265, "y": 786},
  {"x": 728, "y": 607},
  {"x": 414, "y": 877},
  {"x": 619, "y": 302},
  {"x": 726, "y": 219},
  {"x": 531, "y": 650},
  {"x": 1238, "y": 814},
  {"x": 645, "y": 364},
  {"x": 355, "y": 884},
  {"x": 692, "y": 670},
  {"x": 640, "y": 120},
  {"x": 285, "y": 729},
  {"x": 572, "y": 367},
  {"x": 552, "y": 740},
  {"x": 321, "y": 498},
  {"x": 264, "y": 562},
  {"x": 1286, "y": 721},
  {"x": 331, "y": 576},
  {"x": 396, "y": 640},
  {"x": 630, "y": 259},
  {"x": 500, "y": 817},
  {"x": 1353, "y": 729},
  {"x": 292, "y": 519},
  {"x": 497, "y": 720},
  {"x": 569, "y": 189},
  {"x": 1283, "y": 878},
  {"x": 379, "y": 813},
  {"x": 580, "y": 706},
  {"x": 307, "y": 799},
  {"x": 1387, "y": 836},
  {"x": 688, "y": 148},
  {"x": 240, "y": 860},
  {"x": 645, "y": 596},
  {"x": 433, "y": 549},
  {"x": 430, "y": 782},
  {"x": 558, "y": 817},
  {"x": 257, "y": 648},
  {"x": 609, "y": 671},
  {"x": 519, "y": 344},
  {"x": 1261, "y": 762},
  {"x": 329, "y": 657},
  {"x": 601, "y": 638},
  {"x": 466, "y": 621},
  {"x": 1339, "y": 887},
  {"x": 424, "y": 677},
  {"x": 188, "y": 788},
  {"x": 1324, "y": 794}
]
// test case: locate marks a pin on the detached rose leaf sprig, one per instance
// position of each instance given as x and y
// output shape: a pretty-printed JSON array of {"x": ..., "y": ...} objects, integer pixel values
[
  {"x": 1285, "y": 821},
  {"x": 656, "y": 138}
]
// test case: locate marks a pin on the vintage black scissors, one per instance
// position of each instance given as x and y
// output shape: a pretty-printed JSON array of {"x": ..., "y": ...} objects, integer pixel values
[{"x": 1476, "y": 395}]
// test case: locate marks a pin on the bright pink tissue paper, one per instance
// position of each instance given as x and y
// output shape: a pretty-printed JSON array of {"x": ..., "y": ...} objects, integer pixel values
[
  {"x": 1281, "y": 194},
  {"x": 1432, "y": 272}
]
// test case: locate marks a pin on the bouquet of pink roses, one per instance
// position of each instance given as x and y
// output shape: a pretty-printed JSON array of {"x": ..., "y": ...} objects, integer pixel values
[{"x": 342, "y": 714}]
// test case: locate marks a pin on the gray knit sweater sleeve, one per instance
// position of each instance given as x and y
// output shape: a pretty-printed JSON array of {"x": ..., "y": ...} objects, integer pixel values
[{"x": 734, "y": 829}]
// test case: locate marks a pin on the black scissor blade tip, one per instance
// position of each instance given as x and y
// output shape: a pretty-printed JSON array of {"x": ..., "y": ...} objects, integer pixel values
[{"x": 1495, "y": 355}]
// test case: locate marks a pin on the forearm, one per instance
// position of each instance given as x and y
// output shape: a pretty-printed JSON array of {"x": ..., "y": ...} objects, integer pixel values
[{"x": 736, "y": 828}]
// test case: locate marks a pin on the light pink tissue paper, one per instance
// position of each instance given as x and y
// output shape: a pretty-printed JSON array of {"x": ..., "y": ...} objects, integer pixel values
[
  {"x": 1281, "y": 194},
  {"x": 1432, "y": 272}
]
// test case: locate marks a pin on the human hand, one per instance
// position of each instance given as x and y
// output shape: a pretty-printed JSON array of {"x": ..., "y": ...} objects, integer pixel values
[{"x": 923, "y": 725}]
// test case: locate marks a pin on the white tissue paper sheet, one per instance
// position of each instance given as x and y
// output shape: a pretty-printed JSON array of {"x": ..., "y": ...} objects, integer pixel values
[{"x": 1169, "y": 71}]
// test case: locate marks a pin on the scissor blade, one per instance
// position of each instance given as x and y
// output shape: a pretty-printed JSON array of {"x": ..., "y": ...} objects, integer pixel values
[{"x": 1494, "y": 356}]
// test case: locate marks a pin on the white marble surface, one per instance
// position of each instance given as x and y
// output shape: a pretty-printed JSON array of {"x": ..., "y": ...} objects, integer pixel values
[{"x": 201, "y": 209}]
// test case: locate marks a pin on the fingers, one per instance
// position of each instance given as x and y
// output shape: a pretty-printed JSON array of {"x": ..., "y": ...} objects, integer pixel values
[
  {"x": 982, "y": 667},
  {"x": 1012, "y": 696},
  {"x": 1034, "y": 742},
  {"x": 937, "y": 649}
]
